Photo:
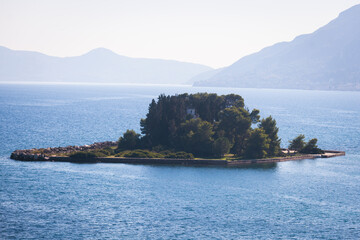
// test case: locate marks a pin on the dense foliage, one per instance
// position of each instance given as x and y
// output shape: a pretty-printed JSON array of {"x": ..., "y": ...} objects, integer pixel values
[
  {"x": 298, "y": 144},
  {"x": 141, "y": 153},
  {"x": 130, "y": 140},
  {"x": 205, "y": 125}
]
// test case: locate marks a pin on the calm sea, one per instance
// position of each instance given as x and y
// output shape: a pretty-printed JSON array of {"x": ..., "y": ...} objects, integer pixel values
[{"x": 309, "y": 199}]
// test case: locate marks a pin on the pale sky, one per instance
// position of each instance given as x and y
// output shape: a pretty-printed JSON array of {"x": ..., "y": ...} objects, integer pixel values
[{"x": 211, "y": 32}]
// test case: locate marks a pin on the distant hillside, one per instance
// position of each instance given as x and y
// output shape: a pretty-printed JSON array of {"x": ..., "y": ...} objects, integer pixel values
[
  {"x": 205, "y": 75},
  {"x": 99, "y": 65},
  {"x": 327, "y": 59}
]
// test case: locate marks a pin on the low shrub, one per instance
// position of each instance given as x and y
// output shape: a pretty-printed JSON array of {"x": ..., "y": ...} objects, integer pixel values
[
  {"x": 120, "y": 154},
  {"x": 105, "y": 151},
  {"x": 100, "y": 154},
  {"x": 139, "y": 153},
  {"x": 180, "y": 155},
  {"x": 87, "y": 155},
  {"x": 83, "y": 155},
  {"x": 166, "y": 152}
]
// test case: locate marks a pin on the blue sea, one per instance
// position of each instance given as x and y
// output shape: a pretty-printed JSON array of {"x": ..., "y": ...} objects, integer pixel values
[{"x": 307, "y": 199}]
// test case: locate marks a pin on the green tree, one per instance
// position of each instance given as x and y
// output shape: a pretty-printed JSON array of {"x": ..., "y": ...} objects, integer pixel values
[
  {"x": 130, "y": 140},
  {"x": 269, "y": 126},
  {"x": 257, "y": 144},
  {"x": 240, "y": 142},
  {"x": 297, "y": 143},
  {"x": 235, "y": 122},
  {"x": 233, "y": 100},
  {"x": 206, "y": 105},
  {"x": 221, "y": 146},
  {"x": 254, "y": 115},
  {"x": 168, "y": 124},
  {"x": 163, "y": 120},
  {"x": 311, "y": 147},
  {"x": 197, "y": 137}
]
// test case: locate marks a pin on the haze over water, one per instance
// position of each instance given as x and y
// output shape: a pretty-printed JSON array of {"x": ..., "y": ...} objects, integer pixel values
[{"x": 309, "y": 199}]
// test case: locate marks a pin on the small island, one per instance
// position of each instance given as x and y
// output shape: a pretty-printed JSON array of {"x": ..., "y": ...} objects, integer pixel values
[{"x": 191, "y": 129}]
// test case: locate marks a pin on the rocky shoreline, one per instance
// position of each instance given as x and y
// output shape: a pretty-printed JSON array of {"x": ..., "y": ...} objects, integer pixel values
[
  {"x": 43, "y": 154},
  {"x": 52, "y": 154}
]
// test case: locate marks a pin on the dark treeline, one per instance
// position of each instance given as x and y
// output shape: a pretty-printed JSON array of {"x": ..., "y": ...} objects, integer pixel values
[
  {"x": 206, "y": 125},
  {"x": 298, "y": 144}
]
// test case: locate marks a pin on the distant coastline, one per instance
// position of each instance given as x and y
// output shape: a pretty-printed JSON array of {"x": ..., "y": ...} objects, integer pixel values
[
  {"x": 91, "y": 83},
  {"x": 162, "y": 85}
]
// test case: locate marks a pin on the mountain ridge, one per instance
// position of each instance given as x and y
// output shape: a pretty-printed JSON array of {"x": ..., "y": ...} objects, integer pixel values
[
  {"x": 325, "y": 59},
  {"x": 98, "y": 65}
]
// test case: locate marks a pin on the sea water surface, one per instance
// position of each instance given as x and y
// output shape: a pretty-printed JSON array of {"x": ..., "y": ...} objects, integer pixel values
[{"x": 308, "y": 199}]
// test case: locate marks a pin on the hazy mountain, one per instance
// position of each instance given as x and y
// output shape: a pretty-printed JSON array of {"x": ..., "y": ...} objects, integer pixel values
[
  {"x": 329, "y": 58},
  {"x": 205, "y": 75},
  {"x": 98, "y": 65}
]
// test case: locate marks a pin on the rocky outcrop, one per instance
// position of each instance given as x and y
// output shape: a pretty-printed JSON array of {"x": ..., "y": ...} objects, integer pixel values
[{"x": 38, "y": 154}]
